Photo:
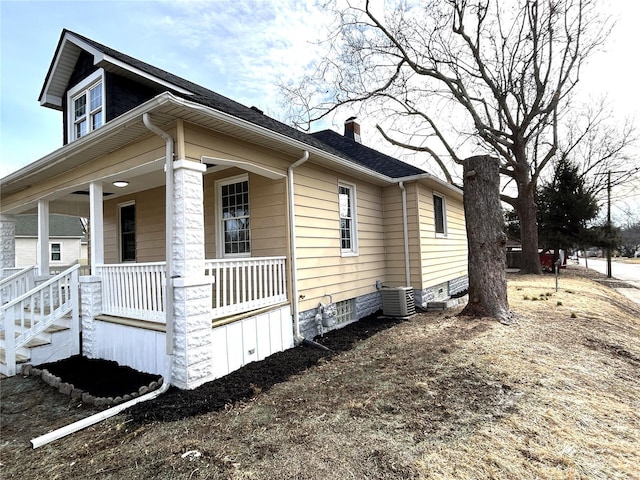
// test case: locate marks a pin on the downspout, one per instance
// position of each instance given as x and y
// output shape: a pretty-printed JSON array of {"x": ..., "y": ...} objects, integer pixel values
[
  {"x": 93, "y": 419},
  {"x": 292, "y": 243},
  {"x": 405, "y": 229},
  {"x": 168, "y": 173},
  {"x": 98, "y": 417}
]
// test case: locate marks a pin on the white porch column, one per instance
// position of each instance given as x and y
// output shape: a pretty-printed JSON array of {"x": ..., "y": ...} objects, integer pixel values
[
  {"x": 7, "y": 242},
  {"x": 43, "y": 237},
  {"x": 192, "y": 334},
  {"x": 96, "y": 226}
]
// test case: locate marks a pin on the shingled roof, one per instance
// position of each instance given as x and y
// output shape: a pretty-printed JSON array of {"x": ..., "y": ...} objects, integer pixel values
[
  {"x": 367, "y": 157},
  {"x": 59, "y": 226},
  {"x": 328, "y": 141}
]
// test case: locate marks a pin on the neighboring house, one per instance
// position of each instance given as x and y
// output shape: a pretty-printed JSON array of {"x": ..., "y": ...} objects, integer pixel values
[
  {"x": 218, "y": 235},
  {"x": 67, "y": 242}
]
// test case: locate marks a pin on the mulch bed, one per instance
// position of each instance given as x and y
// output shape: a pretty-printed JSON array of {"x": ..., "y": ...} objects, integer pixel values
[{"x": 108, "y": 379}]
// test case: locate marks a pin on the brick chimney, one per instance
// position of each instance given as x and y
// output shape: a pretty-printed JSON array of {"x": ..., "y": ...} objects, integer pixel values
[{"x": 352, "y": 129}]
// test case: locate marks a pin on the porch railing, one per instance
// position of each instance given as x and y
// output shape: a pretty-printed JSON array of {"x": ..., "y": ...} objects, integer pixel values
[
  {"x": 134, "y": 290},
  {"x": 137, "y": 290},
  {"x": 18, "y": 283},
  {"x": 241, "y": 285},
  {"x": 31, "y": 313}
]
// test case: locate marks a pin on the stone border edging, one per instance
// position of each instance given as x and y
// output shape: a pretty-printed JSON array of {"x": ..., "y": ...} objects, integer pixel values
[{"x": 79, "y": 394}]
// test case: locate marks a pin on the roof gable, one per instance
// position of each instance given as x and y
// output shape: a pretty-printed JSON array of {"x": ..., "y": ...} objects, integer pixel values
[{"x": 68, "y": 51}]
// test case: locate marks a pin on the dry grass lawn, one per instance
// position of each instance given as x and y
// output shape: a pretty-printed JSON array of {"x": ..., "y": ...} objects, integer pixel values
[{"x": 556, "y": 396}]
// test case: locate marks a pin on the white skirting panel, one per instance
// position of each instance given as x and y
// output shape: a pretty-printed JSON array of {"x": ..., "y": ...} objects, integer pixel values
[
  {"x": 143, "y": 350},
  {"x": 251, "y": 339}
]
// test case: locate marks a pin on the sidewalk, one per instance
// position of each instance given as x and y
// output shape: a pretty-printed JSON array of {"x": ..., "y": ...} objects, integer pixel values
[{"x": 625, "y": 287}]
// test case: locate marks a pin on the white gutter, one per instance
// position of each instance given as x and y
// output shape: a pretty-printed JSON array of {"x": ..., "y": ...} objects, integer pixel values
[
  {"x": 428, "y": 176},
  {"x": 98, "y": 417},
  {"x": 405, "y": 229},
  {"x": 265, "y": 132},
  {"x": 292, "y": 243},
  {"x": 115, "y": 126},
  {"x": 168, "y": 170}
]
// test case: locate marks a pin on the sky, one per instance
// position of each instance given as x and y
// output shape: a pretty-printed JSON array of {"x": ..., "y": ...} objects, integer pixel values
[{"x": 239, "y": 48}]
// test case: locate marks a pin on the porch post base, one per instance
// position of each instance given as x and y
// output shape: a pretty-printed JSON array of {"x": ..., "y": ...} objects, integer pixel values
[
  {"x": 7, "y": 243},
  {"x": 90, "y": 308}
]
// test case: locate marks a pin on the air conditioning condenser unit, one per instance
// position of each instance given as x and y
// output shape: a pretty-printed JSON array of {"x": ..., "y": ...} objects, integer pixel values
[{"x": 398, "y": 302}]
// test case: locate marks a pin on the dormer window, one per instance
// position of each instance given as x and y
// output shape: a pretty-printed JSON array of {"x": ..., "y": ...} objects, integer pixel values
[{"x": 86, "y": 106}]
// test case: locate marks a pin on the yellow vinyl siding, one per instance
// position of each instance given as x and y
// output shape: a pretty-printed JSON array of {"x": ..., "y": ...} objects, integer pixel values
[
  {"x": 150, "y": 229},
  {"x": 201, "y": 142},
  {"x": 322, "y": 270},
  {"x": 268, "y": 219},
  {"x": 433, "y": 259},
  {"x": 442, "y": 258}
]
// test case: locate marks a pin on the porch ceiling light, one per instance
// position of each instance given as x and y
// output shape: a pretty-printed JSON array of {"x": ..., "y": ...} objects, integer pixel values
[{"x": 120, "y": 183}]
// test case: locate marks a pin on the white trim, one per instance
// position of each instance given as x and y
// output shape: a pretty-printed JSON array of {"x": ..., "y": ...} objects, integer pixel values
[
  {"x": 219, "y": 220},
  {"x": 353, "y": 251},
  {"x": 120, "y": 206},
  {"x": 444, "y": 214},
  {"x": 78, "y": 89}
]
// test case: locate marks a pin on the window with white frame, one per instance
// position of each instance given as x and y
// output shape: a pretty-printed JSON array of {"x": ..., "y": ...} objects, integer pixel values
[
  {"x": 439, "y": 215},
  {"x": 234, "y": 233},
  {"x": 56, "y": 252},
  {"x": 127, "y": 231},
  {"x": 348, "y": 224},
  {"x": 86, "y": 106}
]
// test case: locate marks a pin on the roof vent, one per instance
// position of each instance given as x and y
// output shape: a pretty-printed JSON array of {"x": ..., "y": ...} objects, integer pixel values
[
  {"x": 352, "y": 129},
  {"x": 256, "y": 109}
]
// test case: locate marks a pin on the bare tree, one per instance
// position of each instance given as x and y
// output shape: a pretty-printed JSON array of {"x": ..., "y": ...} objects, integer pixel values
[
  {"x": 455, "y": 78},
  {"x": 601, "y": 145},
  {"x": 486, "y": 239}
]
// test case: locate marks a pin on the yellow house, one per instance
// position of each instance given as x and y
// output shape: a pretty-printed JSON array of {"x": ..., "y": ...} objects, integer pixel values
[{"x": 217, "y": 235}]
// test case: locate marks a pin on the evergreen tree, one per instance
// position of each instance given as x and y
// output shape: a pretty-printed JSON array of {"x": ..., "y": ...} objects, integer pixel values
[{"x": 564, "y": 208}]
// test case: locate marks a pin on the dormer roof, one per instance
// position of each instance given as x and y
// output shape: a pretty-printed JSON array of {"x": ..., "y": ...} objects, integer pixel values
[{"x": 66, "y": 55}]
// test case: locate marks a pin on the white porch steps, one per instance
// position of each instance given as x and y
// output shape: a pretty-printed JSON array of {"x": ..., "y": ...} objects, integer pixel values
[{"x": 49, "y": 346}]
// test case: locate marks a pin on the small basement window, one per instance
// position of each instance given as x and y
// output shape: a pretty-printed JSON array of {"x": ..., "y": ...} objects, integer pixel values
[{"x": 344, "y": 311}]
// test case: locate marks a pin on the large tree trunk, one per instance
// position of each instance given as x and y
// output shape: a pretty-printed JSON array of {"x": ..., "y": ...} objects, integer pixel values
[
  {"x": 486, "y": 239},
  {"x": 527, "y": 213}
]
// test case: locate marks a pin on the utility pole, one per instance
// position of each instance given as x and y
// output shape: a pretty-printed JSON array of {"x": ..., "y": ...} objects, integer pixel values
[{"x": 609, "y": 222}]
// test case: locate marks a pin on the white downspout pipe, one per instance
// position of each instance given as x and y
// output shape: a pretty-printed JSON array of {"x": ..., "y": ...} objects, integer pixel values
[
  {"x": 405, "y": 229},
  {"x": 93, "y": 419},
  {"x": 168, "y": 172},
  {"x": 98, "y": 417},
  {"x": 292, "y": 243}
]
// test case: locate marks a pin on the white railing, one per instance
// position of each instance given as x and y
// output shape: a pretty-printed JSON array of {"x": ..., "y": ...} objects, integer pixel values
[
  {"x": 135, "y": 290},
  {"x": 241, "y": 285},
  {"x": 33, "y": 312},
  {"x": 18, "y": 283},
  {"x": 9, "y": 271}
]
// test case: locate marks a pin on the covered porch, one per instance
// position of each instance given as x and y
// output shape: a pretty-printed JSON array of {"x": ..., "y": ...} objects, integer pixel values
[{"x": 178, "y": 285}]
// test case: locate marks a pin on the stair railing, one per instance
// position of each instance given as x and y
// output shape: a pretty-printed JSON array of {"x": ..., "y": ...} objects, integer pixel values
[
  {"x": 17, "y": 284},
  {"x": 36, "y": 310}
]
